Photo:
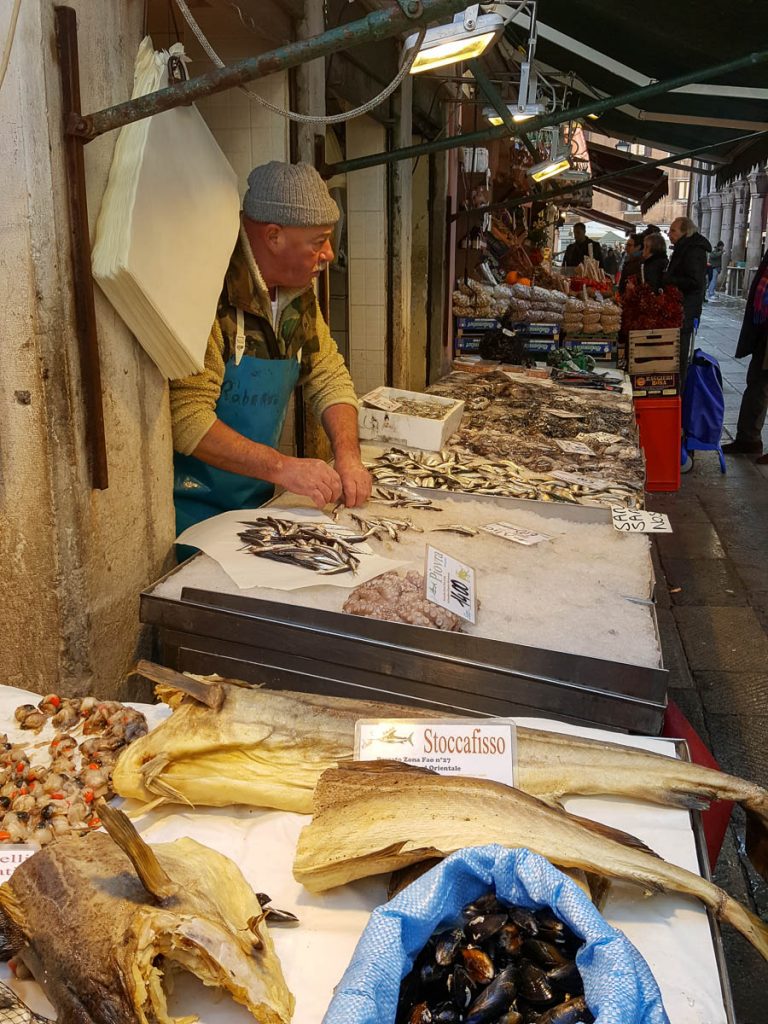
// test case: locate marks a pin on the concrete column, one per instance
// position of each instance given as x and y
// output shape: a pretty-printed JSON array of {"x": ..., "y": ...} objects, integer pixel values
[
  {"x": 716, "y": 216},
  {"x": 758, "y": 188},
  {"x": 740, "y": 220},
  {"x": 705, "y": 215},
  {"x": 726, "y": 233}
]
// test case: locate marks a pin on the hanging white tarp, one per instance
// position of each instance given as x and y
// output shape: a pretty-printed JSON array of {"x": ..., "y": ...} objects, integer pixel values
[{"x": 167, "y": 226}]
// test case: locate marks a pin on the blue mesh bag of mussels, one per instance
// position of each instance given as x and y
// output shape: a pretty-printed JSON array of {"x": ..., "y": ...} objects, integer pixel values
[{"x": 618, "y": 985}]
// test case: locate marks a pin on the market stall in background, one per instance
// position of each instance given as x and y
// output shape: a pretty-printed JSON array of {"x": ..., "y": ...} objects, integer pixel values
[{"x": 405, "y": 761}]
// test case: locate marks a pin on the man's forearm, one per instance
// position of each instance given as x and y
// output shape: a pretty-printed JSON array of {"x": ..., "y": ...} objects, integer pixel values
[
  {"x": 224, "y": 448},
  {"x": 340, "y": 424}
]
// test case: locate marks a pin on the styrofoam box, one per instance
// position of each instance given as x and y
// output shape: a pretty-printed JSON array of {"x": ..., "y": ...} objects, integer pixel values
[{"x": 411, "y": 431}]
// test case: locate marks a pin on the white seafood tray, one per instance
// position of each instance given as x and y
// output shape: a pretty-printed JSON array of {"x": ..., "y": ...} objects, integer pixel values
[
  {"x": 672, "y": 931},
  {"x": 413, "y": 431}
]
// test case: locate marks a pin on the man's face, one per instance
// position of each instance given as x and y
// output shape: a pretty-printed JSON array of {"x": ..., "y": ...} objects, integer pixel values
[
  {"x": 579, "y": 233},
  {"x": 675, "y": 234},
  {"x": 300, "y": 254}
]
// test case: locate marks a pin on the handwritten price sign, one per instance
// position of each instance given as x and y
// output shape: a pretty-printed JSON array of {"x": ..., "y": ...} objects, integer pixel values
[
  {"x": 451, "y": 584},
  {"x": 630, "y": 520}
]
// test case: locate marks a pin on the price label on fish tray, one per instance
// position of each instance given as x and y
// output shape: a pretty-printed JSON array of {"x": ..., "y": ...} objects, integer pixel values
[
  {"x": 573, "y": 447},
  {"x": 451, "y": 584},
  {"x": 516, "y": 533},
  {"x": 11, "y": 856},
  {"x": 630, "y": 520},
  {"x": 377, "y": 400},
  {"x": 450, "y": 746}
]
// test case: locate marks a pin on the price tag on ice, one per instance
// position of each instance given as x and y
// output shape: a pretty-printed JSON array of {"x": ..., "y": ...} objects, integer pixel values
[
  {"x": 376, "y": 400},
  {"x": 632, "y": 520},
  {"x": 563, "y": 414},
  {"x": 12, "y": 856},
  {"x": 574, "y": 447},
  {"x": 451, "y": 746},
  {"x": 451, "y": 584},
  {"x": 593, "y": 483},
  {"x": 516, "y": 533}
]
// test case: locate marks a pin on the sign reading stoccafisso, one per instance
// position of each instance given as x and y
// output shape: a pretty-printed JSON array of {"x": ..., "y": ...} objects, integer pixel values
[{"x": 482, "y": 749}]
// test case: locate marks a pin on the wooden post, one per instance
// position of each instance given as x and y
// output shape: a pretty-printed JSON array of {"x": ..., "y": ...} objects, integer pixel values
[{"x": 80, "y": 251}]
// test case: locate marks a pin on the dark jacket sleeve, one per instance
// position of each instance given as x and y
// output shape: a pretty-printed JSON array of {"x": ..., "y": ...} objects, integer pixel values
[
  {"x": 752, "y": 335},
  {"x": 654, "y": 270},
  {"x": 689, "y": 274}
]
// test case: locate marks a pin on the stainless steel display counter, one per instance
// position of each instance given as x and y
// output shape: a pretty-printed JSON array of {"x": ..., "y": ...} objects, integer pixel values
[{"x": 202, "y": 629}]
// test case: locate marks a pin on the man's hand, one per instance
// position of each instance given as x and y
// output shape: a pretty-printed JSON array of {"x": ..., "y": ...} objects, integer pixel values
[
  {"x": 355, "y": 481},
  {"x": 311, "y": 477}
]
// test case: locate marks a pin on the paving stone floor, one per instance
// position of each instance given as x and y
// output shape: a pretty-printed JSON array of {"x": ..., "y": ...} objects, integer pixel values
[{"x": 712, "y": 592}]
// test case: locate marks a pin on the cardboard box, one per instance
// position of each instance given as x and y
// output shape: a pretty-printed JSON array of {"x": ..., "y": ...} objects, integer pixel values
[
  {"x": 599, "y": 348},
  {"x": 541, "y": 346},
  {"x": 551, "y": 331},
  {"x": 468, "y": 344},
  {"x": 655, "y": 385},
  {"x": 399, "y": 428},
  {"x": 654, "y": 351},
  {"x": 476, "y": 323}
]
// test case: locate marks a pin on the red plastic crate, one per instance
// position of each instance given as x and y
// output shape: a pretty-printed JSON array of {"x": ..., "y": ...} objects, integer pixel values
[{"x": 659, "y": 423}]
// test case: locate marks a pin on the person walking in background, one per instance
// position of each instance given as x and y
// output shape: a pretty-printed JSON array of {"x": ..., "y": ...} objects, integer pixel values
[
  {"x": 582, "y": 246},
  {"x": 714, "y": 267},
  {"x": 687, "y": 271},
  {"x": 753, "y": 341},
  {"x": 654, "y": 262},
  {"x": 611, "y": 263},
  {"x": 630, "y": 266}
]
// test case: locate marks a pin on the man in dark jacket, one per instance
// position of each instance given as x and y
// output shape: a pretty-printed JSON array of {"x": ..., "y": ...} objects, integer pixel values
[
  {"x": 753, "y": 341},
  {"x": 582, "y": 246},
  {"x": 688, "y": 271}
]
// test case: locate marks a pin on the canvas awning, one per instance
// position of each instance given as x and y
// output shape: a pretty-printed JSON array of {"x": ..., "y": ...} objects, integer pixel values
[
  {"x": 589, "y": 213},
  {"x": 605, "y": 48},
  {"x": 644, "y": 187}
]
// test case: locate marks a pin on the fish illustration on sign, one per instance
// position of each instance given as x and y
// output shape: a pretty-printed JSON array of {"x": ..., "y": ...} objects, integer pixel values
[{"x": 390, "y": 736}]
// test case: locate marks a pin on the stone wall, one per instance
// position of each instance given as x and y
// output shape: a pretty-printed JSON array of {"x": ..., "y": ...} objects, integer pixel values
[{"x": 73, "y": 560}]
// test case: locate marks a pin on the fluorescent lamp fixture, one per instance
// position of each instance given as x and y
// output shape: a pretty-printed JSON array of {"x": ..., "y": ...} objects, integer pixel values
[
  {"x": 449, "y": 44},
  {"x": 593, "y": 117},
  {"x": 550, "y": 168},
  {"x": 519, "y": 114}
]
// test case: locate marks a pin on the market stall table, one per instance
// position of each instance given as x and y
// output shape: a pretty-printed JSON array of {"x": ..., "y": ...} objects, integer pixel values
[
  {"x": 565, "y": 628},
  {"x": 673, "y": 933}
]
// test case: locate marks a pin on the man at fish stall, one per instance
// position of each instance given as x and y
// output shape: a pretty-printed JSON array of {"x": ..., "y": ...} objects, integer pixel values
[{"x": 268, "y": 336}]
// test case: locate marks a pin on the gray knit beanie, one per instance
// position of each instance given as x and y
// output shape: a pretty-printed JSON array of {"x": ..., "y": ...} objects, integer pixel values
[{"x": 289, "y": 194}]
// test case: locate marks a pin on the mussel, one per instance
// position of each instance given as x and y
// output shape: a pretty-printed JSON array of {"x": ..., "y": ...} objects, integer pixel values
[
  {"x": 499, "y": 964},
  {"x": 545, "y": 954},
  {"x": 447, "y": 947},
  {"x": 495, "y": 999},
  {"x": 535, "y": 986},
  {"x": 478, "y": 965},
  {"x": 574, "y": 1011}
]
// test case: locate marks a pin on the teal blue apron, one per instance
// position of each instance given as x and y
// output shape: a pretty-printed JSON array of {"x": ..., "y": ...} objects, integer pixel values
[{"x": 254, "y": 400}]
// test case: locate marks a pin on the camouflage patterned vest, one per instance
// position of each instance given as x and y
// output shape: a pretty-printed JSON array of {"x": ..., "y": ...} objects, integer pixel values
[{"x": 295, "y": 331}]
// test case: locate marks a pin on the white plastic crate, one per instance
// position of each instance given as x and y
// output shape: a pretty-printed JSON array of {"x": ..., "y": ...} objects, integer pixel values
[{"x": 377, "y": 424}]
